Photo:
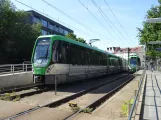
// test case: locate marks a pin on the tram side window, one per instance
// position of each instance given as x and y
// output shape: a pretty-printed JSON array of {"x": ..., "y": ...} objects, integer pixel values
[
  {"x": 109, "y": 61},
  {"x": 55, "y": 52},
  {"x": 115, "y": 62},
  {"x": 90, "y": 57},
  {"x": 77, "y": 55},
  {"x": 104, "y": 60},
  {"x": 112, "y": 62},
  {"x": 60, "y": 52},
  {"x": 82, "y": 56},
  {"x": 73, "y": 58},
  {"x": 87, "y": 57}
]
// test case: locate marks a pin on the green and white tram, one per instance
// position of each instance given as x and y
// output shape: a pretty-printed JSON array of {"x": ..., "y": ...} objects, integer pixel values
[
  {"x": 70, "y": 60},
  {"x": 134, "y": 63}
]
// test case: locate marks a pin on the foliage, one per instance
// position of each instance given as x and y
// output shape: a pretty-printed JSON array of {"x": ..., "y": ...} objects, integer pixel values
[
  {"x": 9, "y": 97},
  {"x": 87, "y": 110},
  {"x": 17, "y": 36},
  {"x": 125, "y": 107},
  {"x": 75, "y": 108},
  {"x": 71, "y": 36},
  {"x": 81, "y": 40},
  {"x": 1, "y": 89},
  {"x": 74, "y": 37},
  {"x": 151, "y": 31}
]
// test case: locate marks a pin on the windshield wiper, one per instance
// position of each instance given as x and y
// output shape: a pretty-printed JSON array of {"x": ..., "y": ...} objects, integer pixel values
[
  {"x": 47, "y": 52},
  {"x": 45, "y": 56}
]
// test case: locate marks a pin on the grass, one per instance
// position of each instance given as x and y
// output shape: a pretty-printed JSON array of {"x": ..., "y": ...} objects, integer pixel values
[
  {"x": 75, "y": 109},
  {"x": 9, "y": 97},
  {"x": 87, "y": 110},
  {"x": 126, "y": 106},
  {"x": 1, "y": 89}
]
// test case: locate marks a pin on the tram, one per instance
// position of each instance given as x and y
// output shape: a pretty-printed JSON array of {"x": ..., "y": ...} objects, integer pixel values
[{"x": 67, "y": 60}]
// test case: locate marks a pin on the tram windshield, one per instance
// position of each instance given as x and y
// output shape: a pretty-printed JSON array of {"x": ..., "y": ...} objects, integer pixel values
[
  {"x": 133, "y": 62},
  {"x": 42, "y": 52}
]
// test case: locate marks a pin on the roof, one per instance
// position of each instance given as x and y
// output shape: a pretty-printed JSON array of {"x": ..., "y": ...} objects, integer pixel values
[
  {"x": 135, "y": 56},
  {"x": 125, "y": 50},
  {"x": 48, "y": 19}
]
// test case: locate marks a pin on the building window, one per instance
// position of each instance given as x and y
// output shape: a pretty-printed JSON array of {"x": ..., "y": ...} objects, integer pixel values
[
  {"x": 44, "y": 32},
  {"x": 56, "y": 28},
  {"x": 52, "y": 27},
  {"x": 61, "y": 30},
  {"x": 36, "y": 20},
  {"x": 65, "y": 32},
  {"x": 44, "y": 23}
]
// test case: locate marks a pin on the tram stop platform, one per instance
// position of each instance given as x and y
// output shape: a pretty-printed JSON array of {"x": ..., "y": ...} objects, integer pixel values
[{"x": 152, "y": 99}]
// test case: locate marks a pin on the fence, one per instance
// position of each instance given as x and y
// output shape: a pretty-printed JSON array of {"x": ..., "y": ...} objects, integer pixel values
[
  {"x": 15, "y": 68},
  {"x": 132, "y": 111}
]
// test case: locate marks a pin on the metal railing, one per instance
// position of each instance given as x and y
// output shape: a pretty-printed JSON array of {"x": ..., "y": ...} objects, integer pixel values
[
  {"x": 15, "y": 68},
  {"x": 133, "y": 109}
]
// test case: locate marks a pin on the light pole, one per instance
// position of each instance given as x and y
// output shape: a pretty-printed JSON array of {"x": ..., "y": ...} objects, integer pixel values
[
  {"x": 153, "y": 20},
  {"x": 155, "y": 43},
  {"x": 93, "y": 40},
  {"x": 128, "y": 52}
]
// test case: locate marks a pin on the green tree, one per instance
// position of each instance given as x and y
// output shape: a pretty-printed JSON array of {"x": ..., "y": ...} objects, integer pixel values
[
  {"x": 151, "y": 31},
  {"x": 17, "y": 36},
  {"x": 81, "y": 40},
  {"x": 71, "y": 36},
  {"x": 74, "y": 37}
]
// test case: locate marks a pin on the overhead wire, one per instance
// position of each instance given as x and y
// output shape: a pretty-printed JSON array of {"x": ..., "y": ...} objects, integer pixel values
[
  {"x": 106, "y": 18},
  {"x": 72, "y": 18},
  {"x": 55, "y": 19},
  {"x": 75, "y": 20},
  {"x": 96, "y": 19},
  {"x": 117, "y": 20}
]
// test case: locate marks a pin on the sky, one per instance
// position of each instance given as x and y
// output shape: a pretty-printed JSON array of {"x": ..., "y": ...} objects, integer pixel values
[{"x": 129, "y": 13}]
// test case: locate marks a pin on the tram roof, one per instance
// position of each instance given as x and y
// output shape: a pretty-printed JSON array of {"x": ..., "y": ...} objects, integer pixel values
[
  {"x": 133, "y": 56},
  {"x": 59, "y": 37}
]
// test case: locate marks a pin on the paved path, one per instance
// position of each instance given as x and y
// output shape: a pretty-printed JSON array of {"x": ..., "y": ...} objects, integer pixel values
[{"x": 152, "y": 104}]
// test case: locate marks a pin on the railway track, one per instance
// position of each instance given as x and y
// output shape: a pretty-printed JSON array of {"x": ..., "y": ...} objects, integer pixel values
[
  {"x": 100, "y": 100},
  {"x": 20, "y": 88},
  {"x": 74, "y": 96},
  {"x": 21, "y": 92}
]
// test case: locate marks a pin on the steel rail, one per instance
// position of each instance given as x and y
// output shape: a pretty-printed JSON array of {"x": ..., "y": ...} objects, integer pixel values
[
  {"x": 22, "y": 95},
  {"x": 20, "y": 88},
  {"x": 99, "y": 101},
  {"x": 63, "y": 100}
]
